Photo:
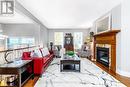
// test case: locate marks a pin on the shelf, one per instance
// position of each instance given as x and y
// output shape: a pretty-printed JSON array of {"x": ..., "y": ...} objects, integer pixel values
[
  {"x": 13, "y": 84},
  {"x": 25, "y": 76},
  {"x": 107, "y": 33}
]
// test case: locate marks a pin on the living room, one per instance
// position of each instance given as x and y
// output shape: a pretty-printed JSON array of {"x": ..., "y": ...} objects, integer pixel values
[{"x": 62, "y": 43}]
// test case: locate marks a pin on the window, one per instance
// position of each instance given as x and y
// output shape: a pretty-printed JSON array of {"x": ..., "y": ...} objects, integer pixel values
[
  {"x": 58, "y": 38},
  {"x": 78, "y": 40},
  {"x": 12, "y": 41},
  {"x": 16, "y": 41},
  {"x": 27, "y": 41}
]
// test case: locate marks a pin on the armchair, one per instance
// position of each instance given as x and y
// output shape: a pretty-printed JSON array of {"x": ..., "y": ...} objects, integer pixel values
[{"x": 85, "y": 51}]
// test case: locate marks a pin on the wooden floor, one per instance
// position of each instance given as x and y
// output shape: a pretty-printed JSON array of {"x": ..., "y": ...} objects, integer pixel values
[
  {"x": 122, "y": 79},
  {"x": 31, "y": 82}
]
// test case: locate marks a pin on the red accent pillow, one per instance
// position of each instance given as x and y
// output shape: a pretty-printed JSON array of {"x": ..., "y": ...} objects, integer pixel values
[{"x": 26, "y": 54}]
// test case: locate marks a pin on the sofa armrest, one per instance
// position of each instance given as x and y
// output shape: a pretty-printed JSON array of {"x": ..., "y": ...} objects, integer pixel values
[
  {"x": 38, "y": 65},
  {"x": 51, "y": 51},
  {"x": 40, "y": 59},
  {"x": 37, "y": 58}
]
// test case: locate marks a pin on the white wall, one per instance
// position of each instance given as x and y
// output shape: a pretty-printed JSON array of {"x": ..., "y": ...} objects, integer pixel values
[
  {"x": 43, "y": 36},
  {"x": 125, "y": 42},
  {"x": 2, "y": 40},
  {"x": 52, "y": 31},
  {"x": 1, "y": 28},
  {"x": 116, "y": 17},
  {"x": 116, "y": 25}
]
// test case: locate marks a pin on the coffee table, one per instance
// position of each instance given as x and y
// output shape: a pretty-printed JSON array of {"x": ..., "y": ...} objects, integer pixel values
[{"x": 70, "y": 60}]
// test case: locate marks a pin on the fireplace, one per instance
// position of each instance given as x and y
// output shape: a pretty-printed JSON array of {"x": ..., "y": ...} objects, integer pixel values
[
  {"x": 103, "y": 55},
  {"x": 108, "y": 37}
]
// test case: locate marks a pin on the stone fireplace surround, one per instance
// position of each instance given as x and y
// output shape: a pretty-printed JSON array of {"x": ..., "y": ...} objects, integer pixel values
[{"x": 107, "y": 39}]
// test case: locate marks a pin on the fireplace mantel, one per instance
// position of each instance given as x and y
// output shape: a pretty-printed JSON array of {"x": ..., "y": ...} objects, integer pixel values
[
  {"x": 108, "y": 37},
  {"x": 107, "y": 33}
]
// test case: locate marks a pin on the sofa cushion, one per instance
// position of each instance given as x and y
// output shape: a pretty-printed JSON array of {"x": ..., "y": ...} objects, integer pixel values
[
  {"x": 37, "y": 53},
  {"x": 32, "y": 53},
  {"x": 42, "y": 51},
  {"x": 45, "y": 51}
]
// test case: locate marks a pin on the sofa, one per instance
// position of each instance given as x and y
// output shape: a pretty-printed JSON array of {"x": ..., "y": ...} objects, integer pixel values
[{"x": 40, "y": 62}]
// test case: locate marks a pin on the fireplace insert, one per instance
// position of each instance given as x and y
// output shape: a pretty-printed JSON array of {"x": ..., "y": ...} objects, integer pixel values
[{"x": 103, "y": 55}]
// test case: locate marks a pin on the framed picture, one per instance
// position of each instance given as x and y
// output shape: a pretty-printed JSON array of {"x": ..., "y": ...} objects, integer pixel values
[{"x": 103, "y": 24}]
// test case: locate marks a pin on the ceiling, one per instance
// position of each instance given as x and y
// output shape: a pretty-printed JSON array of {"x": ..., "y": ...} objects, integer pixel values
[
  {"x": 17, "y": 18},
  {"x": 68, "y": 13}
]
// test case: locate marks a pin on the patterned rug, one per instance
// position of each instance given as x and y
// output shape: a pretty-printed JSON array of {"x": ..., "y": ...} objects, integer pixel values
[{"x": 90, "y": 76}]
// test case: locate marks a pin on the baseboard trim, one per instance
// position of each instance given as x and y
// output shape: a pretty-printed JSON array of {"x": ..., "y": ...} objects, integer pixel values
[{"x": 123, "y": 73}]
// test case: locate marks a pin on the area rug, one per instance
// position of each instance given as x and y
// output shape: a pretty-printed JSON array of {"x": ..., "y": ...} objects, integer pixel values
[{"x": 90, "y": 76}]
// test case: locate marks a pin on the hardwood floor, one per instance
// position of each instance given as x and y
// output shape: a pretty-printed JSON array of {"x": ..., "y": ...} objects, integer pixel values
[
  {"x": 31, "y": 82},
  {"x": 124, "y": 80}
]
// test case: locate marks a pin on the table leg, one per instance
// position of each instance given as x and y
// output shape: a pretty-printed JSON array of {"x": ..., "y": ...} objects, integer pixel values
[
  {"x": 79, "y": 67},
  {"x": 74, "y": 66},
  {"x": 19, "y": 78},
  {"x": 32, "y": 64},
  {"x": 60, "y": 67}
]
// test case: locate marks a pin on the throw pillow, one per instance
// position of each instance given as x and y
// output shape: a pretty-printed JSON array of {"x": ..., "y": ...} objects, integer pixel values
[
  {"x": 47, "y": 51},
  {"x": 43, "y": 52},
  {"x": 32, "y": 53},
  {"x": 37, "y": 53}
]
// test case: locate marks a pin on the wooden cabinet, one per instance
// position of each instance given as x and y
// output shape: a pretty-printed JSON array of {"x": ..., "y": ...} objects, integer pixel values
[
  {"x": 22, "y": 69},
  {"x": 68, "y": 42}
]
